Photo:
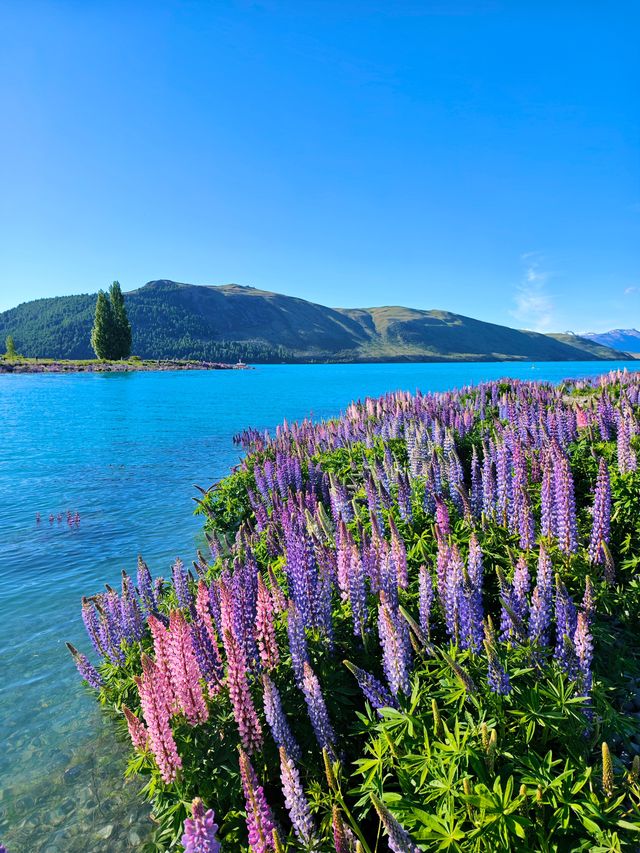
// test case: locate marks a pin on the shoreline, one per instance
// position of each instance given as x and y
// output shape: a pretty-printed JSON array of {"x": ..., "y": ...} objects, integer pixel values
[{"x": 81, "y": 366}]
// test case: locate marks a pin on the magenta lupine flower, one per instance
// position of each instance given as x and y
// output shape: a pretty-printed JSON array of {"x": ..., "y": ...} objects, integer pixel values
[
  {"x": 318, "y": 713},
  {"x": 294, "y": 799},
  {"x": 200, "y": 830},
  {"x": 137, "y": 729},
  {"x": 277, "y": 720},
  {"x": 583, "y": 644},
  {"x": 277, "y": 595},
  {"x": 600, "y": 530},
  {"x": 399, "y": 556},
  {"x": 425, "y": 600},
  {"x": 396, "y": 648},
  {"x": 541, "y": 602},
  {"x": 442, "y": 567},
  {"x": 260, "y": 823},
  {"x": 398, "y": 838},
  {"x": 86, "y": 669},
  {"x": 156, "y": 714},
  {"x": 244, "y": 711},
  {"x": 442, "y": 517},
  {"x": 185, "y": 672},
  {"x": 265, "y": 628}
]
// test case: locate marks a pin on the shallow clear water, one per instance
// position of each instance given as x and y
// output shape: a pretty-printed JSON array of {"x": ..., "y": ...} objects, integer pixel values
[{"x": 124, "y": 451}]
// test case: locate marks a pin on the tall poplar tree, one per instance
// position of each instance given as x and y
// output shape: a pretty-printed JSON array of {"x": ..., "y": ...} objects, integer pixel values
[
  {"x": 102, "y": 337},
  {"x": 121, "y": 325}
]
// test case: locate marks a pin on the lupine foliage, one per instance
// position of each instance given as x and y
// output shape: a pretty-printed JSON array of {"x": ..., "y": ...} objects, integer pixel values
[{"x": 417, "y": 627}]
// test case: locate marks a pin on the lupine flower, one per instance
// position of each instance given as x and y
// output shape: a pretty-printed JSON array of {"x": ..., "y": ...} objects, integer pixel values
[
  {"x": 396, "y": 648},
  {"x": 357, "y": 592},
  {"x": 260, "y": 823},
  {"x": 425, "y": 600},
  {"x": 566, "y": 623},
  {"x": 156, "y": 714},
  {"x": 243, "y": 709},
  {"x": 161, "y": 647},
  {"x": 265, "y": 629},
  {"x": 588, "y": 603},
  {"x": 398, "y": 838},
  {"x": 342, "y": 835},
  {"x": 297, "y": 642},
  {"x": 181, "y": 584},
  {"x": 137, "y": 729},
  {"x": 541, "y": 602},
  {"x": 600, "y": 529},
  {"x": 583, "y": 645},
  {"x": 86, "y": 669},
  {"x": 145, "y": 588},
  {"x": 374, "y": 691},
  {"x": 564, "y": 505},
  {"x": 294, "y": 798},
  {"x": 277, "y": 719},
  {"x": 318, "y": 713},
  {"x": 185, "y": 673},
  {"x": 200, "y": 830}
]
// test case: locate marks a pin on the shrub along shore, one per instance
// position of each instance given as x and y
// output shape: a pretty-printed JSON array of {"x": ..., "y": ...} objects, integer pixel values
[
  {"x": 416, "y": 630},
  {"x": 46, "y": 365}
]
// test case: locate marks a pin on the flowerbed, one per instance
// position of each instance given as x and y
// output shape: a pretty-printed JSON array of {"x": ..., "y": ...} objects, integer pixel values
[{"x": 416, "y": 630}]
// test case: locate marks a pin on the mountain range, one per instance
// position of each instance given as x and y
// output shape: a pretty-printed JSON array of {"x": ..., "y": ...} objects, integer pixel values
[
  {"x": 231, "y": 322},
  {"x": 623, "y": 339}
]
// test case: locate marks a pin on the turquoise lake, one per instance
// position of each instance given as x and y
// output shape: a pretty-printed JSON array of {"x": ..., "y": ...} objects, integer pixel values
[{"x": 124, "y": 451}]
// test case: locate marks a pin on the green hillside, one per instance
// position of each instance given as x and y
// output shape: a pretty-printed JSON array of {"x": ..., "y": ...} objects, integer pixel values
[{"x": 173, "y": 320}]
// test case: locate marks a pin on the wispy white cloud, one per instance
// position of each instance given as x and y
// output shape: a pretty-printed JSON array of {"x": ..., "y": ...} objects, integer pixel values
[
  {"x": 630, "y": 290},
  {"x": 534, "y": 305}
]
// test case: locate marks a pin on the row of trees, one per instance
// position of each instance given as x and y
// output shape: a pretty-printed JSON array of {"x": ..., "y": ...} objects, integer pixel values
[{"x": 111, "y": 333}]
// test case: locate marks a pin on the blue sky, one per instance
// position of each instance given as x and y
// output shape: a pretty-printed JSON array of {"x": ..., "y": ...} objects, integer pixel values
[{"x": 482, "y": 157}]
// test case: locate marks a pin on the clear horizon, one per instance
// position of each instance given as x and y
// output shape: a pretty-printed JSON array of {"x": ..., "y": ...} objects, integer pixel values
[{"x": 468, "y": 156}]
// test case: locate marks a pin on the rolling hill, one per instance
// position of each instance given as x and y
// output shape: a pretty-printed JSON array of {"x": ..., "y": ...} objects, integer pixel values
[{"x": 229, "y": 322}]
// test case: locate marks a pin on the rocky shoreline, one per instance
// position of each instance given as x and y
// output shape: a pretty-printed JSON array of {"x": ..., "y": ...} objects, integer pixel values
[{"x": 62, "y": 366}]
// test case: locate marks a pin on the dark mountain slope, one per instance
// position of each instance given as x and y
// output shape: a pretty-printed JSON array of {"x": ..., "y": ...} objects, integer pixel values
[{"x": 174, "y": 320}]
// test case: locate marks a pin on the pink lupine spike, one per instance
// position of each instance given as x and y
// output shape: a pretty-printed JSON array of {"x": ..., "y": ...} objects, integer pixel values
[
  {"x": 137, "y": 729},
  {"x": 243, "y": 709},
  {"x": 185, "y": 673},
  {"x": 266, "y": 634},
  {"x": 161, "y": 648},
  {"x": 156, "y": 715}
]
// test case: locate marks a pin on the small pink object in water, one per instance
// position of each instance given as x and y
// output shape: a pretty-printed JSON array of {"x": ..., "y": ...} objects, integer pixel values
[
  {"x": 38, "y": 518},
  {"x": 59, "y": 518},
  {"x": 51, "y": 518},
  {"x": 77, "y": 518}
]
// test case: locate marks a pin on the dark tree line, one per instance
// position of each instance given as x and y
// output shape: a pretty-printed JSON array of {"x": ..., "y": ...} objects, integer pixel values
[{"x": 111, "y": 333}]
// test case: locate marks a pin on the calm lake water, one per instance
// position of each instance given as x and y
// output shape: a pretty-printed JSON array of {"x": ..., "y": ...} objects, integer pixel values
[{"x": 124, "y": 452}]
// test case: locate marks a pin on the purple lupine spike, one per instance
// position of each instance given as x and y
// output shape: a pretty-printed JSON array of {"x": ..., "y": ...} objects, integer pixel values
[
  {"x": 477, "y": 497},
  {"x": 454, "y": 596},
  {"x": 343, "y": 838},
  {"x": 600, "y": 530},
  {"x": 396, "y": 648},
  {"x": 92, "y": 625},
  {"x": 404, "y": 497},
  {"x": 294, "y": 799},
  {"x": 86, "y": 669},
  {"x": 547, "y": 523},
  {"x": 181, "y": 584},
  {"x": 541, "y": 602},
  {"x": 425, "y": 600},
  {"x": 200, "y": 830},
  {"x": 399, "y": 556},
  {"x": 318, "y": 713},
  {"x": 277, "y": 719},
  {"x": 566, "y": 623},
  {"x": 297, "y": 642},
  {"x": 583, "y": 645},
  {"x": 564, "y": 505},
  {"x": 374, "y": 691},
  {"x": 497, "y": 678},
  {"x": 398, "y": 838},
  {"x": 475, "y": 573},
  {"x": 131, "y": 614},
  {"x": 357, "y": 592},
  {"x": 260, "y": 822},
  {"x": 207, "y": 656},
  {"x": 145, "y": 588}
]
